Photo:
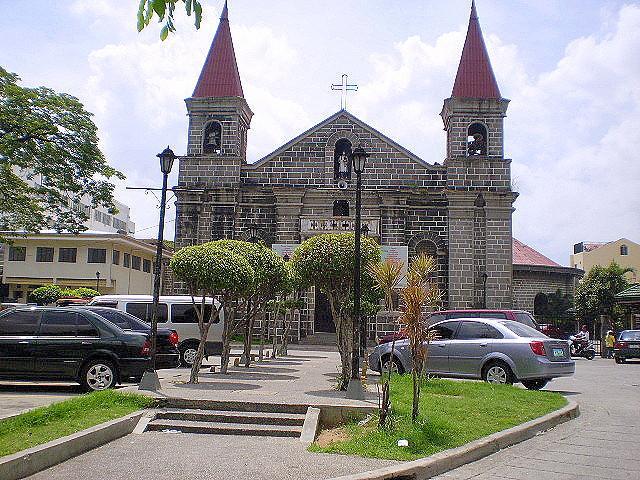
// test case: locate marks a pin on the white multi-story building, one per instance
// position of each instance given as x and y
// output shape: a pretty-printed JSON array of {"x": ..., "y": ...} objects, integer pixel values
[{"x": 112, "y": 263}]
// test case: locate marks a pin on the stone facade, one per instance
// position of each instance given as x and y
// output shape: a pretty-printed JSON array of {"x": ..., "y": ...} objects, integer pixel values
[
  {"x": 531, "y": 280},
  {"x": 459, "y": 212}
]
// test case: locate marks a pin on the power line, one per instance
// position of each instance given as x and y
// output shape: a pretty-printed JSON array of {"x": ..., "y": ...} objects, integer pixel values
[{"x": 154, "y": 226}]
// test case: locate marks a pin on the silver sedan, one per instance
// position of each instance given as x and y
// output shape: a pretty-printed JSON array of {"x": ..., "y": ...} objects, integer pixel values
[{"x": 497, "y": 351}]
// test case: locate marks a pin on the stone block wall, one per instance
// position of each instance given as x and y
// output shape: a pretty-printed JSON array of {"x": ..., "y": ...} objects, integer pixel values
[{"x": 529, "y": 281}]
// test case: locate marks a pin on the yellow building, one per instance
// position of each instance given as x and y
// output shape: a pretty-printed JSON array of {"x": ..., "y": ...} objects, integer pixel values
[
  {"x": 623, "y": 251},
  {"x": 111, "y": 262}
]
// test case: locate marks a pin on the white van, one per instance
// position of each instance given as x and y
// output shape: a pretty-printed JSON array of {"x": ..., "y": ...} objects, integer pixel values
[{"x": 175, "y": 312}]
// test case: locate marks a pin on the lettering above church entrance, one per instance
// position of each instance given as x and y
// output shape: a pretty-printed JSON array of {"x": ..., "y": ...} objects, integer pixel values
[{"x": 314, "y": 226}]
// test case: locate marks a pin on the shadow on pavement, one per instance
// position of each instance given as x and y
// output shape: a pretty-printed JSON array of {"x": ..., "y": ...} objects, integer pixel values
[
  {"x": 40, "y": 388},
  {"x": 563, "y": 392},
  {"x": 303, "y": 357},
  {"x": 217, "y": 386},
  {"x": 257, "y": 367},
  {"x": 250, "y": 375}
]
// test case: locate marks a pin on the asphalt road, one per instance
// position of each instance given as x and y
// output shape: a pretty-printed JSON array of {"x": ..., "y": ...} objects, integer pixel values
[{"x": 603, "y": 443}]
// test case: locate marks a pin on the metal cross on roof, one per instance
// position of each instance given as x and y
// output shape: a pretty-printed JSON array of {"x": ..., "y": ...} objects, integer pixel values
[{"x": 344, "y": 87}]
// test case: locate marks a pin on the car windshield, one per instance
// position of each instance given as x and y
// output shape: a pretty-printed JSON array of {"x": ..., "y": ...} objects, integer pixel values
[
  {"x": 121, "y": 319},
  {"x": 522, "y": 330},
  {"x": 630, "y": 335}
]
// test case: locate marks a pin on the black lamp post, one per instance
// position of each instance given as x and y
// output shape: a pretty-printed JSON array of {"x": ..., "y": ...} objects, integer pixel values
[
  {"x": 484, "y": 290},
  {"x": 150, "y": 380},
  {"x": 354, "y": 389},
  {"x": 98, "y": 282}
]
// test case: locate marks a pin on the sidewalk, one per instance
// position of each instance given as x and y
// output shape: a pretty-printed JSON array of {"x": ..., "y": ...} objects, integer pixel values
[{"x": 305, "y": 376}]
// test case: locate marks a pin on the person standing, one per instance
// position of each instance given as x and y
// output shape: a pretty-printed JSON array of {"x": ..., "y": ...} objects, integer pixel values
[{"x": 609, "y": 341}]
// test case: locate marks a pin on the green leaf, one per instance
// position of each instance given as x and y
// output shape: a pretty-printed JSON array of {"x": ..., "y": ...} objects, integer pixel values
[
  {"x": 164, "y": 33},
  {"x": 159, "y": 7},
  {"x": 140, "y": 15},
  {"x": 187, "y": 6},
  {"x": 197, "y": 8}
]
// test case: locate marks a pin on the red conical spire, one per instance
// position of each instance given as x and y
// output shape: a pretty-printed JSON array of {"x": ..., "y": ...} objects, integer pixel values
[
  {"x": 219, "y": 76},
  {"x": 475, "y": 78}
]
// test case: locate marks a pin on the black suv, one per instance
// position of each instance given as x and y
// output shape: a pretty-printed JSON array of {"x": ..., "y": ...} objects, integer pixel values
[{"x": 49, "y": 343}]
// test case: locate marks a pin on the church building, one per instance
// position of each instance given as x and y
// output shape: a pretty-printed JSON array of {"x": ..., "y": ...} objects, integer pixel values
[{"x": 458, "y": 209}]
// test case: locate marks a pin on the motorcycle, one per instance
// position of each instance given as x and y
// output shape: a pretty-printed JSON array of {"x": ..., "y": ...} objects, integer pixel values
[{"x": 581, "y": 348}]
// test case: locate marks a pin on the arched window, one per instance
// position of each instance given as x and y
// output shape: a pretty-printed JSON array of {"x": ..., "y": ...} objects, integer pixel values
[
  {"x": 624, "y": 250},
  {"x": 427, "y": 247},
  {"x": 342, "y": 160},
  {"x": 341, "y": 208},
  {"x": 212, "y": 139},
  {"x": 540, "y": 304},
  {"x": 476, "y": 139}
]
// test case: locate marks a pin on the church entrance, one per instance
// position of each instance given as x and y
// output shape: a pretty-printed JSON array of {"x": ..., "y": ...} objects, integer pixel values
[{"x": 323, "y": 320}]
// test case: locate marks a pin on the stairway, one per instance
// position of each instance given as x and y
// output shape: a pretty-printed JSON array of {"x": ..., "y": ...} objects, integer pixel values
[{"x": 232, "y": 419}]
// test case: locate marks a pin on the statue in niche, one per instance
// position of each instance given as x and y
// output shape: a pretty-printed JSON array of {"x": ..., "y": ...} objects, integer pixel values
[
  {"x": 477, "y": 146},
  {"x": 343, "y": 165},
  {"x": 213, "y": 138},
  {"x": 342, "y": 160}
]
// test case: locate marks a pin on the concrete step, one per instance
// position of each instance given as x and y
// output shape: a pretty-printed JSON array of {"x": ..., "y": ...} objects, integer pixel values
[
  {"x": 230, "y": 416},
  {"x": 220, "y": 405},
  {"x": 319, "y": 338},
  {"x": 212, "y": 428}
]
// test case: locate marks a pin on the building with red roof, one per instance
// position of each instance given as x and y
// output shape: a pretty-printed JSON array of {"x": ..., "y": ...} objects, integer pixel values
[{"x": 536, "y": 276}]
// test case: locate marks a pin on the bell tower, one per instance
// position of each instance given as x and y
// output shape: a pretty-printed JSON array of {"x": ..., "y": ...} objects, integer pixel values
[
  {"x": 478, "y": 182},
  {"x": 219, "y": 116},
  {"x": 209, "y": 174}
]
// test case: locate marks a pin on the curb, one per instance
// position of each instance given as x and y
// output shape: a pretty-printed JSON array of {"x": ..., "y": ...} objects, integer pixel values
[
  {"x": 453, "y": 458},
  {"x": 38, "y": 458}
]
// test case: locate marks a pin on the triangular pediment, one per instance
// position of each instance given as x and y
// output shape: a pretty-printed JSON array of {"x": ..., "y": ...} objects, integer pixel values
[{"x": 344, "y": 121}]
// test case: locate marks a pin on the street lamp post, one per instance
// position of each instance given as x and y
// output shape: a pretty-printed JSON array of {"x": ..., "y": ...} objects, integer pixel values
[
  {"x": 98, "y": 281},
  {"x": 150, "y": 380},
  {"x": 354, "y": 389}
]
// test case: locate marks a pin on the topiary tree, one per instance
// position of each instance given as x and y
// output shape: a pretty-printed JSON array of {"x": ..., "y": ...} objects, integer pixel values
[
  {"x": 84, "y": 292},
  {"x": 327, "y": 261},
  {"x": 211, "y": 271},
  {"x": 46, "y": 294},
  {"x": 270, "y": 277}
]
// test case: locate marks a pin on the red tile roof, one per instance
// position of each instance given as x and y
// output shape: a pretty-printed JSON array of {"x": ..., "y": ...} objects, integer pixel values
[
  {"x": 219, "y": 76},
  {"x": 475, "y": 78},
  {"x": 525, "y": 255}
]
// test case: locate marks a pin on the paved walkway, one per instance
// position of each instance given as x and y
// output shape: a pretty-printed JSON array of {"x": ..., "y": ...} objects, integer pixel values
[
  {"x": 303, "y": 377},
  {"x": 603, "y": 443}
]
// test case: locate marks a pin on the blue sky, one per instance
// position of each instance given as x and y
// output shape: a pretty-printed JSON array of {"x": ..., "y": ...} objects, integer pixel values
[{"x": 570, "y": 68}]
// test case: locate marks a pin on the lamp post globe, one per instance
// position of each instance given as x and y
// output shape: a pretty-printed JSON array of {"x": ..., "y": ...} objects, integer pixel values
[
  {"x": 167, "y": 157},
  {"x": 359, "y": 156}
]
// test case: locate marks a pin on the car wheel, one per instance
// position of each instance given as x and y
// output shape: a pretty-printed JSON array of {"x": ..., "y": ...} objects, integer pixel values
[
  {"x": 534, "y": 384},
  {"x": 98, "y": 375},
  {"x": 391, "y": 363},
  {"x": 619, "y": 360},
  {"x": 497, "y": 372},
  {"x": 188, "y": 354}
]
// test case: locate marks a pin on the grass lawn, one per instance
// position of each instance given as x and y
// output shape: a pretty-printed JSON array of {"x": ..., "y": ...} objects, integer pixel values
[
  {"x": 451, "y": 414},
  {"x": 64, "y": 418}
]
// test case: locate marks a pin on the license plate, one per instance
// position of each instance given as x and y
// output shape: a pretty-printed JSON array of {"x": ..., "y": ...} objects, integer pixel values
[
  {"x": 558, "y": 352},
  {"x": 634, "y": 346}
]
